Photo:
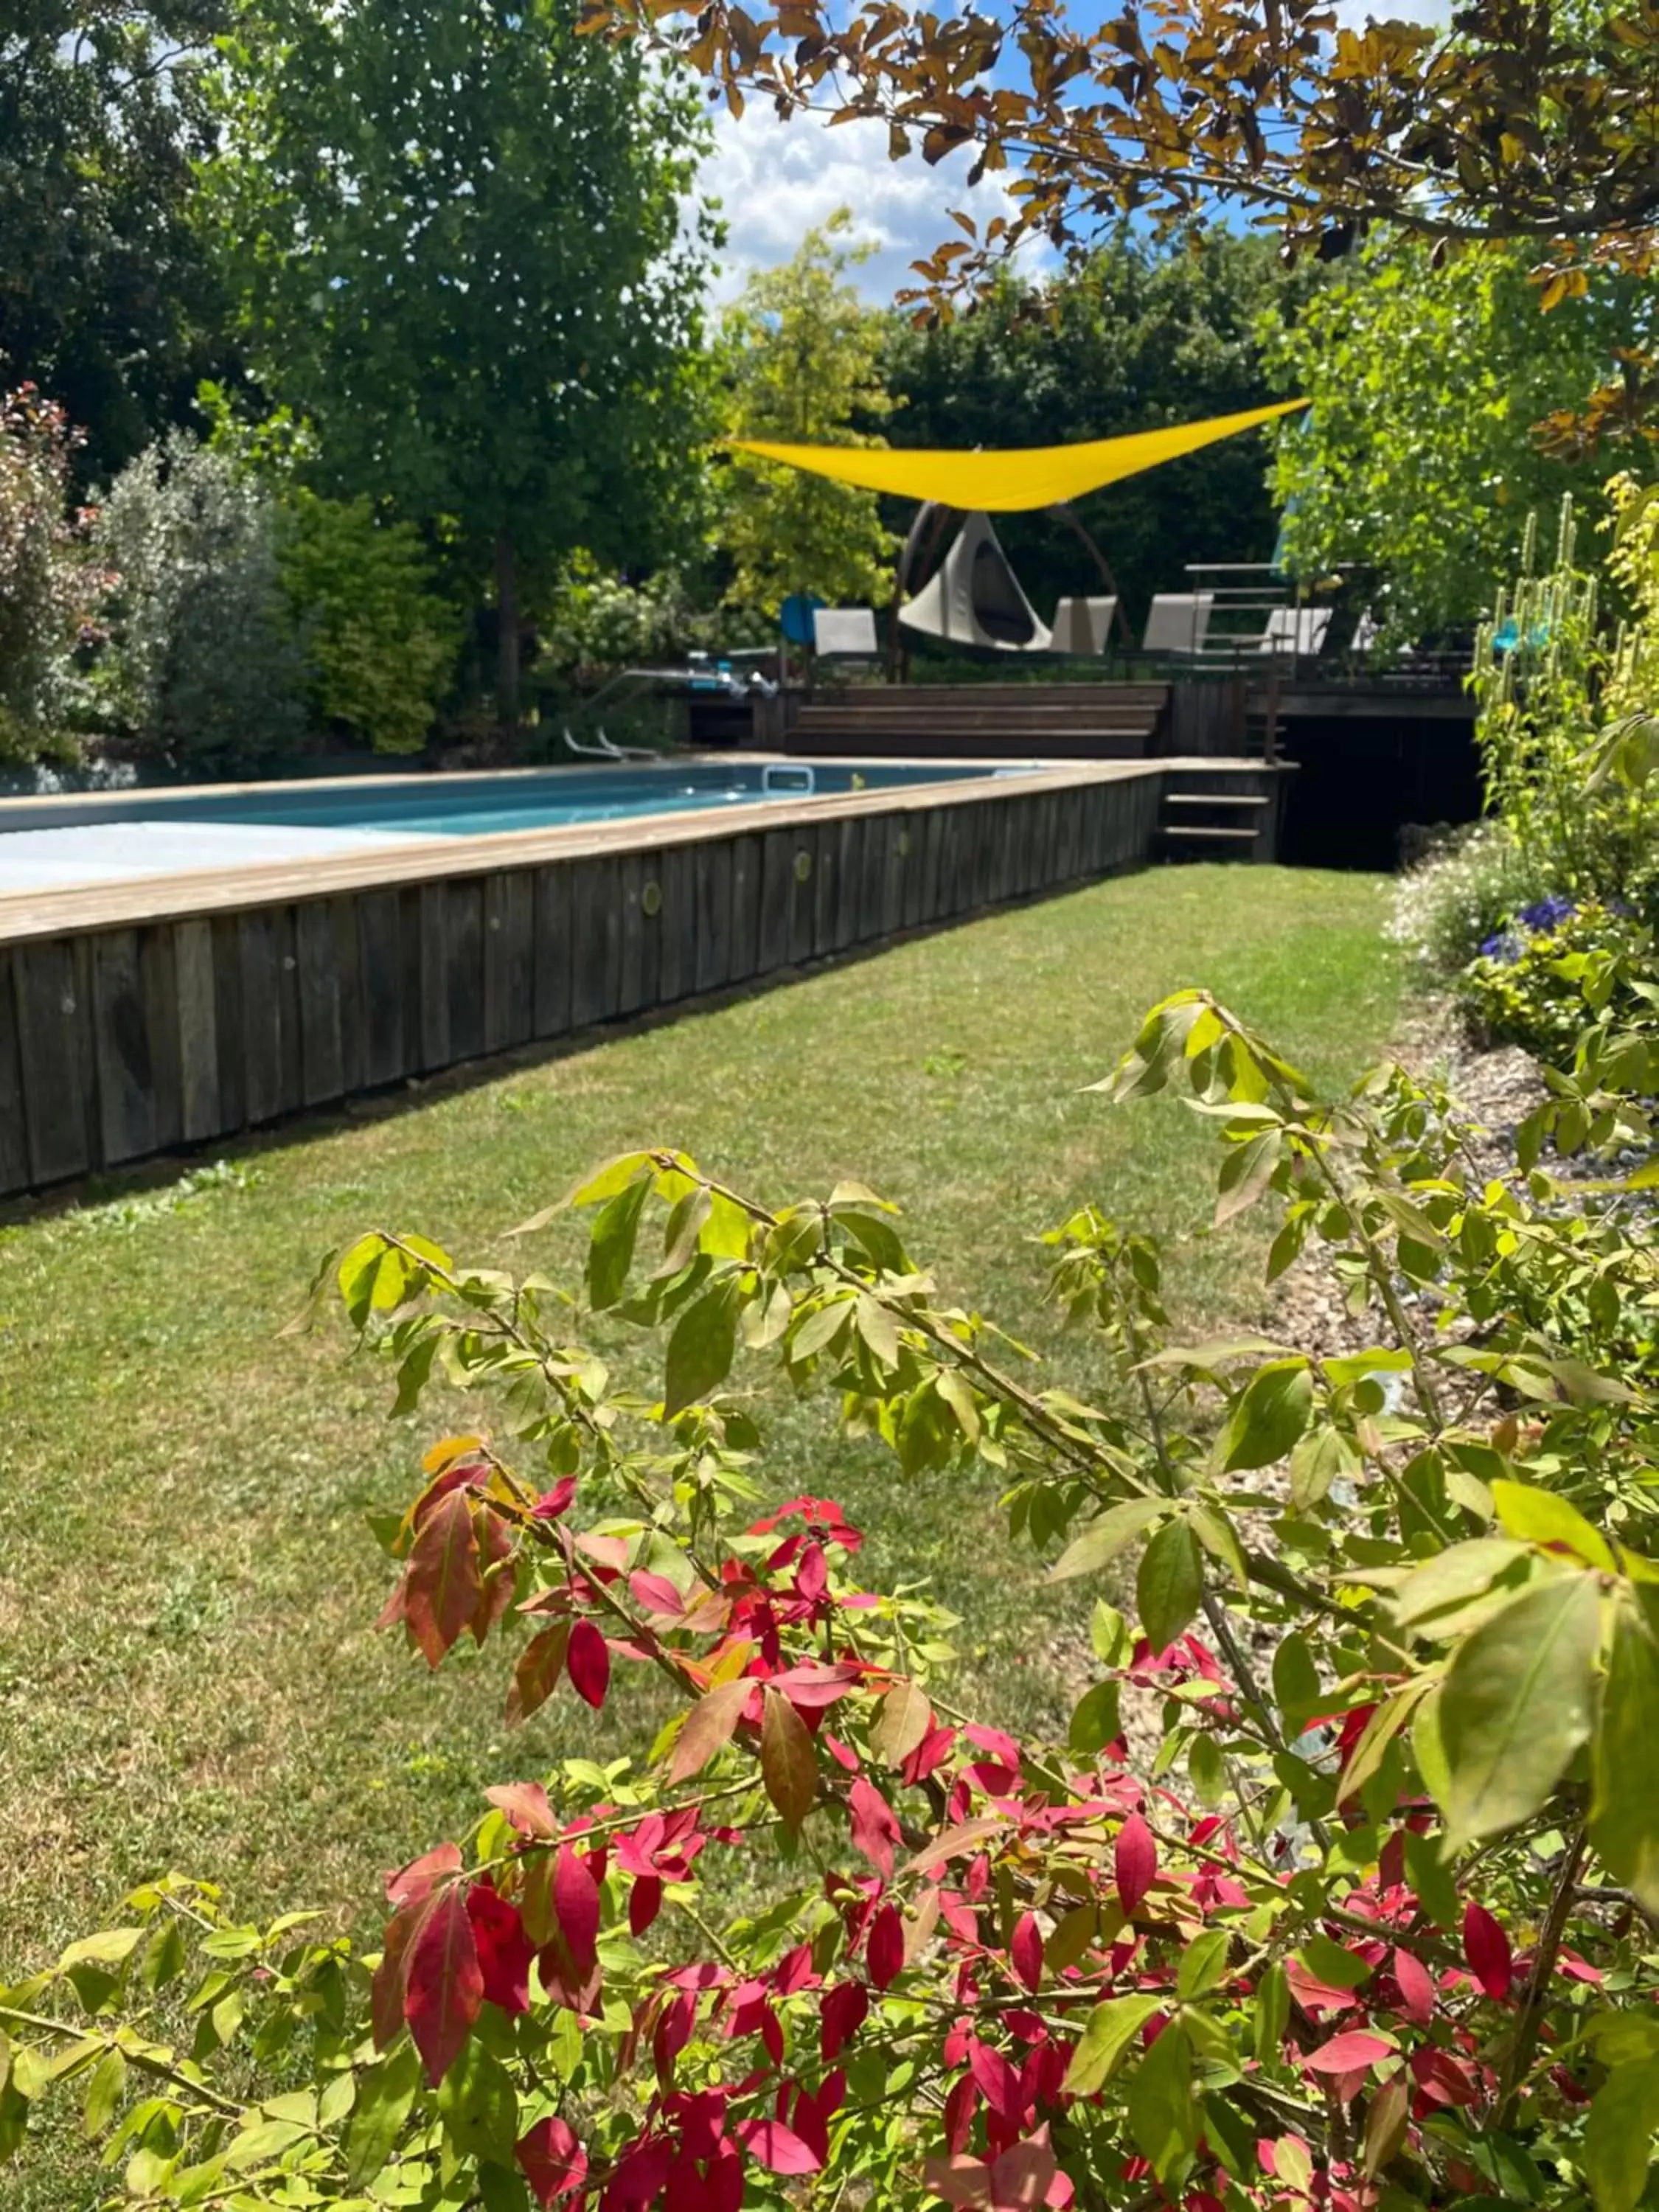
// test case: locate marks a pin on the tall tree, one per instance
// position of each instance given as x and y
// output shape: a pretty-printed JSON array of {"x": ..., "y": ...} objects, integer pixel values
[
  {"x": 457, "y": 229},
  {"x": 1136, "y": 338},
  {"x": 1420, "y": 458},
  {"x": 802, "y": 356},
  {"x": 108, "y": 298}
]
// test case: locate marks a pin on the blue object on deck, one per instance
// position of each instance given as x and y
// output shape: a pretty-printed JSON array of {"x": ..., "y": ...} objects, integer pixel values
[{"x": 795, "y": 616}]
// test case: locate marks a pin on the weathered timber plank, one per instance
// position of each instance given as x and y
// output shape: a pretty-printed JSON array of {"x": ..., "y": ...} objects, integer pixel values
[
  {"x": 596, "y": 941},
  {"x": 52, "y": 982},
  {"x": 630, "y": 966},
  {"x": 465, "y": 967},
  {"x": 677, "y": 925},
  {"x": 745, "y": 907},
  {"x": 201, "y": 1112},
  {"x": 553, "y": 951},
  {"x": 435, "y": 976},
  {"x": 158, "y": 979},
  {"x": 380, "y": 964},
  {"x": 229, "y": 1022},
  {"x": 509, "y": 959},
  {"x": 126, "y": 1109},
  {"x": 262, "y": 1015},
  {"x": 712, "y": 870},
  {"x": 322, "y": 1066},
  {"x": 14, "y": 1127},
  {"x": 777, "y": 889}
]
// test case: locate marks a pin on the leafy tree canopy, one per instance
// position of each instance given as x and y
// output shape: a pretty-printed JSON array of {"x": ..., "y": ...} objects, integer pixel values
[
  {"x": 458, "y": 238},
  {"x": 802, "y": 356},
  {"x": 1420, "y": 457},
  {"x": 108, "y": 300},
  {"x": 1525, "y": 122}
]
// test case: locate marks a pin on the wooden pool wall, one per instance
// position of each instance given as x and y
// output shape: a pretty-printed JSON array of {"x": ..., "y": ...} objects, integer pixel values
[{"x": 140, "y": 1017}]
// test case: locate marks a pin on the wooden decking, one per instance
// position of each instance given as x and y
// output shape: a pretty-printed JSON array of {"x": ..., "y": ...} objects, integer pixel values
[{"x": 984, "y": 721}]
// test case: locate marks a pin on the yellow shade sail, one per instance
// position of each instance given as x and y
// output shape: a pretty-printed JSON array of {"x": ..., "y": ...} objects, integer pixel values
[{"x": 1008, "y": 484}]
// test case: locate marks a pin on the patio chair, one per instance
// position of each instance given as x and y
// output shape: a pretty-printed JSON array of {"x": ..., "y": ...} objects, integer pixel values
[
  {"x": 845, "y": 634},
  {"x": 1177, "y": 623},
  {"x": 1296, "y": 633},
  {"x": 1084, "y": 626}
]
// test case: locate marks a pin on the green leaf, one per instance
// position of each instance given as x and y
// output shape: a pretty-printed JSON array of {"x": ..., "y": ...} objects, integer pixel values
[
  {"x": 610, "y": 1250},
  {"x": 108, "y": 2080},
  {"x": 1297, "y": 1691},
  {"x": 1102, "y": 1539},
  {"x": 1618, "y": 2135},
  {"x": 478, "y": 2106},
  {"x": 1215, "y": 1531},
  {"x": 1320, "y": 1458},
  {"x": 1111, "y": 2028},
  {"x": 1461, "y": 1571},
  {"x": 700, "y": 1350},
  {"x": 1203, "y": 1965},
  {"x": 1160, "y": 2107},
  {"x": 1095, "y": 1722},
  {"x": 1170, "y": 1584},
  {"x": 1273, "y": 2014},
  {"x": 1328, "y": 1962},
  {"x": 1268, "y": 1417},
  {"x": 1624, "y": 1791},
  {"x": 1109, "y": 1635},
  {"x": 877, "y": 1329},
  {"x": 1516, "y": 1703},
  {"x": 1208, "y": 1770},
  {"x": 1539, "y": 1516},
  {"x": 386, "y": 2097}
]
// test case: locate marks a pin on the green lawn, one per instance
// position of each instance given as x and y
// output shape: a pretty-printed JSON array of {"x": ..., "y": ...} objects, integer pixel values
[{"x": 188, "y": 1674}]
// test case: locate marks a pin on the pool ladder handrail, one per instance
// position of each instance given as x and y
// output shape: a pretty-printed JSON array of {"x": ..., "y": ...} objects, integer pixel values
[
  {"x": 605, "y": 750},
  {"x": 772, "y": 788}
]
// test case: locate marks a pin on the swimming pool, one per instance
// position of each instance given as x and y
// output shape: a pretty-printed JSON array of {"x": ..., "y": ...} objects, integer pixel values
[{"x": 99, "y": 838}]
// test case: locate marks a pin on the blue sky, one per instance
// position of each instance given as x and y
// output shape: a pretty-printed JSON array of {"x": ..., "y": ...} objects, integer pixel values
[{"x": 777, "y": 180}]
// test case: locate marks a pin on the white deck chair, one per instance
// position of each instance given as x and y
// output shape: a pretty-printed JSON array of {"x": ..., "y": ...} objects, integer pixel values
[
  {"x": 845, "y": 633},
  {"x": 1296, "y": 633},
  {"x": 1178, "y": 623},
  {"x": 1084, "y": 626}
]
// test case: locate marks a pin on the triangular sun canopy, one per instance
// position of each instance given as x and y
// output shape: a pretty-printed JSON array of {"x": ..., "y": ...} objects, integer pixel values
[
  {"x": 1010, "y": 482},
  {"x": 973, "y": 597}
]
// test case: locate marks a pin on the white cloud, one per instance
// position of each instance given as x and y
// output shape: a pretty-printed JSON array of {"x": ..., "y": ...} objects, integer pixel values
[{"x": 775, "y": 181}]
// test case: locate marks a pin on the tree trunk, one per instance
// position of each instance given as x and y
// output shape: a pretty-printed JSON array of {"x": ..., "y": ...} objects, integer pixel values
[{"x": 506, "y": 633}]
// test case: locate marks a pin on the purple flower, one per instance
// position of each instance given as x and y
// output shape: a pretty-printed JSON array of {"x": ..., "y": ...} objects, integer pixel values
[
  {"x": 1547, "y": 912},
  {"x": 1504, "y": 946}
]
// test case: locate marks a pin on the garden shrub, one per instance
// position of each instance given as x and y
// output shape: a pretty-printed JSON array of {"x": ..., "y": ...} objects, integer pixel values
[
  {"x": 1525, "y": 985},
  {"x": 1464, "y": 895},
  {"x": 1373, "y": 1933},
  {"x": 379, "y": 640},
  {"x": 201, "y": 667},
  {"x": 1566, "y": 876},
  {"x": 47, "y": 589},
  {"x": 597, "y": 623}
]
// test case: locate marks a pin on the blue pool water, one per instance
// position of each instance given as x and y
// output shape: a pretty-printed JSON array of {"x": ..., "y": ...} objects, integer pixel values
[
  {"x": 55, "y": 843},
  {"x": 483, "y": 805}
]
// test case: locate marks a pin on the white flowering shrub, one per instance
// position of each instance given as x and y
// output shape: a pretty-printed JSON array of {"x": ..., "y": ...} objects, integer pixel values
[
  {"x": 201, "y": 667},
  {"x": 1462, "y": 895}
]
